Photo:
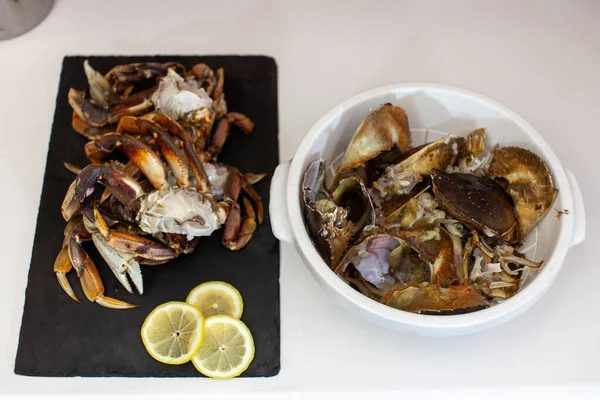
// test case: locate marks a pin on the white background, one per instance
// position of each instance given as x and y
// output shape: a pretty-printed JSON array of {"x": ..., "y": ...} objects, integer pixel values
[{"x": 541, "y": 58}]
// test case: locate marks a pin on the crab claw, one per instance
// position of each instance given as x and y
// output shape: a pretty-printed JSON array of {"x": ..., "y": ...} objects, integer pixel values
[
  {"x": 121, "y": 264},
  {"x": 173, "y": 154},
  {"x": 237, "y": 233},
  {"x": 94, "y": 289},
  {"x": 71, "y": 203},
  {"x": 123, "y": 186},
  {"x": 143, "y": 156},
  {"x": 131, "y": 244},
  {"x": 73, "y": 168},
  {"x": 100, "y": 89},
  {"x": 91, "y": 113}
]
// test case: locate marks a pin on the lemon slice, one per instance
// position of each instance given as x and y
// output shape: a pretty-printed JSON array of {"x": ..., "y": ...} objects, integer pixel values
[
  {"x": 216, "y": 298},
  {"x": 227, "y": 350},
  {"x": 173, "y": 332}
]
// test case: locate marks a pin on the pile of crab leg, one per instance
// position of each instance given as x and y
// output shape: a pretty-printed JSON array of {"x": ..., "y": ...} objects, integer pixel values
[{"x": 154, "y": 185}]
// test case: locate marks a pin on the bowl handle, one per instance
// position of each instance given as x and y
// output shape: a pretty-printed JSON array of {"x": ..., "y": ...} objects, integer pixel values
[
  {"x": 578, "y": 210},
  {"x": 280, "y": 220}
]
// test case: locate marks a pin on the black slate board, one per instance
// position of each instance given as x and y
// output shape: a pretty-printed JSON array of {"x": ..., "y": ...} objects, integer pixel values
[{"x": 60, "y": 337}]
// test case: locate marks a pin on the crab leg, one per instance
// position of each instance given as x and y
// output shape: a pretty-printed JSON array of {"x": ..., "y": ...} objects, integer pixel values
[
  {"x": 250, "y": 191},
  {"x": 175, "y": 158},
  {"x": 224, "y": 126},
  {"x": 196, "y": 166},
  {"x": 205, "y": 75},
  {"x": 134, "y": 105},
  {"x": 218, "y": 101},
  {"x": 252, "y": 178},
  {"x": 85, "y": 129},
  {"x": 134, "y": 125},
  {"x": 219, "y": 136},
  {"x": 202, "y": 121},
  {"x": 238, "y": 233},
  {"x": 244, "y": 123},
  {"x": 176, "y": 241},
  {"x": 62, "y": 266},
  {"x": 174, "y": 127},
  {"x": 97, "y": 116},
  {"x": 232, "y": 188},
  {"x": 143, "y": 156},
  {"x": 123, "y": 76}
]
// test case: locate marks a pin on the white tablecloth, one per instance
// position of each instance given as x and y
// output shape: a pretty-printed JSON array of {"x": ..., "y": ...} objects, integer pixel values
[{"x": 541, "y": 58}]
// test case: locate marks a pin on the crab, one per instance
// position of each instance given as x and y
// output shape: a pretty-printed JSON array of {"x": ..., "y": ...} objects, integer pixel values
[{"x": 170, "y": 192}]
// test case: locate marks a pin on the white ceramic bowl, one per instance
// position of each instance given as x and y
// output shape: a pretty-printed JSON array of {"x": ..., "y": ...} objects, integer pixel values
[{"x": 434, "y": 109}]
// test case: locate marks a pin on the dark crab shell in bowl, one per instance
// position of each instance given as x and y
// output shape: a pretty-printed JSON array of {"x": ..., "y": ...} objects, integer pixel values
[{"x": 477, "y": 202}]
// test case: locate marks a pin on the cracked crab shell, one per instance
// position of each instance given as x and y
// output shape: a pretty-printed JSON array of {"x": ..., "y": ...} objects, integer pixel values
[
  {"x": 370, "y": 258},
  {"x": 330, "y": 230},
  {"x": 352, "y": 194},
  {"x": 435, "y": 155},
  {"x": 430, "y": 298},
  {"x": 530, "y": 184},
  {"x": 437, "y": 252},
  {"x": 381, "y": 130}
]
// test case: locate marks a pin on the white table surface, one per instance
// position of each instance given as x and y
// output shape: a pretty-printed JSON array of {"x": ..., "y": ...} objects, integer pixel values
[{"x": 541, "y": 58}]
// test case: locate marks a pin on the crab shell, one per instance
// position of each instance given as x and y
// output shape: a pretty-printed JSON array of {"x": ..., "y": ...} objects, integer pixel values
[
  {"x": 438, "y": 252},
  {"x": 434, "y": 155},
  {"x": 414, "y": 167},
  {"x": 352, "y": 194},
  {"x": 529, "y": 184},
  {"x": 380, "y": 131},
  {"x": 477, "y": 202},
  {"x": 432, "y": 299},
  {"x": 327, "y": 223},
  {"x": 370, "y": 258}
]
